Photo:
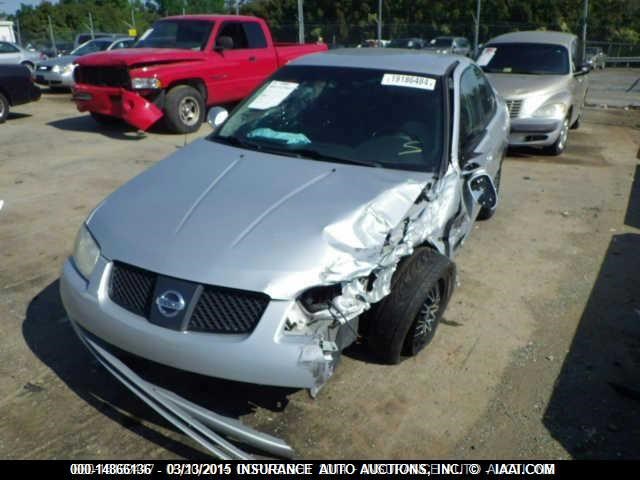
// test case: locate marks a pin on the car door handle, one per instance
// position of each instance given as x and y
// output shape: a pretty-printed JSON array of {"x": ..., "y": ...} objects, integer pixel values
[{"x": 252, "y": 59}]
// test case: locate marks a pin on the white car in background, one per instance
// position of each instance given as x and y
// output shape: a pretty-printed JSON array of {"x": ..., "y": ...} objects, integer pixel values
[{"x": 12, "y": 53}]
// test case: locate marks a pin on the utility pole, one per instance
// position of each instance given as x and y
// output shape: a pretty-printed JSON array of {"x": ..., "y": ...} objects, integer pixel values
[
  {"x": 380, "y": 23},
  {"x": 52, "y": 37},
  {"x": 91, "y": 25},
  {"x": 133, "y": 19},
  {"x": 18, "y": 31},
  {"x": 237, "y": 7},
  {"x": 584, "y": 30},
  {"x": 300, "y": 22},
  {"x": 477, "y": 32}
]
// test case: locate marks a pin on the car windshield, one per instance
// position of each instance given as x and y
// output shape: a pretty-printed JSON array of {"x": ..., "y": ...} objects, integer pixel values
[
  {"x": 183, "y": 34},
  {"x": 441, "y": 42},
  {"x": 525, "y": 58},
  {"x": 92, "y": 47},
  {"x": 359, "y": 116}
]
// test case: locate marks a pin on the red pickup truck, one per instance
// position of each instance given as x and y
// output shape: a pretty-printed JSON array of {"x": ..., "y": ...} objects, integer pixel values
[{"x": 178, "y": 68}]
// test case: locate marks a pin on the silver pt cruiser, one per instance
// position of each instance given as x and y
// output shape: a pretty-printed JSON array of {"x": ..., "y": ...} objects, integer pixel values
[
  {"x": 325, "y": 209},
  {"x": 543, "y": 82}
]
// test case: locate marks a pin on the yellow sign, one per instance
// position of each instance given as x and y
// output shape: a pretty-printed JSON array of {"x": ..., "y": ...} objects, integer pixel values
[{"x": 133, "y": 32}]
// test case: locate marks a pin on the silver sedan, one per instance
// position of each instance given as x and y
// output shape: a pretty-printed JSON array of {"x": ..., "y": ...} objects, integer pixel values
[
  {"x": 57, "y": 73},
  {"x": 345, "y": 184},
  {"x": 13, "y": 53}
]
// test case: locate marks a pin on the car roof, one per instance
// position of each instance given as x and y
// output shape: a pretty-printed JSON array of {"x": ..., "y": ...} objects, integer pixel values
[
  {"x": 552, "y": 38},
  {"x": 402, "y": 60}
]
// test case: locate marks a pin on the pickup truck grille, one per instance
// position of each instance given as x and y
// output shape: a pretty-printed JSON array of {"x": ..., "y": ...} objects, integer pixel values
[
  {"x": 514, "y": 107},
  {"x": 103, "y": 76},
  {"x": 217, "y": 310}
]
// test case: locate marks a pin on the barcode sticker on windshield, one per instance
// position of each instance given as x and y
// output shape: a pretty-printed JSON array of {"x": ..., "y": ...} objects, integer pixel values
[
  {"x": 273, "y": 95},
  {"x": 486, "y": 56},
  {"x": 411, "y": 81}
]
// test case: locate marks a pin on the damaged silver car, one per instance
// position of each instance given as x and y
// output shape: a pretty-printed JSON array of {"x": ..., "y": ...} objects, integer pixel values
[{"x": 326, "y": 208}]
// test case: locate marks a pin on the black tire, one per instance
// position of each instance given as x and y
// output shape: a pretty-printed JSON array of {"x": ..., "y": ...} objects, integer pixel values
[
  {"x": 577, "y": 123},
  {"x": 486, "y": 213},
  {"x": 403, "y": 323},
  {"x": 4, "y": 108},
  {"x": 561, "y": 143},
  {"x": 184, "y": 109},
  {"x": 30, "y": 66},
  {"x": 106, "y": 120}
]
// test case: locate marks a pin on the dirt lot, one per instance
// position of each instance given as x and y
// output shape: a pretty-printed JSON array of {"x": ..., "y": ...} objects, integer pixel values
[{"x": 538, "y": 356}]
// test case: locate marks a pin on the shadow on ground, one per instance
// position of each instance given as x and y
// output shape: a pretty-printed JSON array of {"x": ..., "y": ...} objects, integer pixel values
[
  {"x": 17, "y": 116},
  {"x": 632, "y": 218},
  {"x": 594, "y": 410},
  {"x": 84, "y": 123},
  {"x": 56, "y": 345}
]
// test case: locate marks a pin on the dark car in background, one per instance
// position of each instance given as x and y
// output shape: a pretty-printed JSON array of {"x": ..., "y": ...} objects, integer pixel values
[
  {"x": 413, "y": 42},
  {"x": 16, "y": 88},
  {"x": 450, "y": 45}
]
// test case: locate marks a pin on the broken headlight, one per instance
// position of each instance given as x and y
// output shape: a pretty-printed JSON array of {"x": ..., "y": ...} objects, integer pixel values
[
  {"x": 317, "y": 299},
  {"x": 311, "y": 310}
]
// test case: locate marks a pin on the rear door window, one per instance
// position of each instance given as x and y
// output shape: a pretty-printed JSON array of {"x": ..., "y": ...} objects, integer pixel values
[{"x": 255, "y": 35}]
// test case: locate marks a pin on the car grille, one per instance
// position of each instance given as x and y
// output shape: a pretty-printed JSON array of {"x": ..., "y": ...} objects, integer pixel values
[
  {"x": 514, "y": 107},
  {"x": 132, "y": 288},
  {"x": 217, "y": 310},
  {"x": 227, "y": 311},
  {"x": 103, "y": 76}
]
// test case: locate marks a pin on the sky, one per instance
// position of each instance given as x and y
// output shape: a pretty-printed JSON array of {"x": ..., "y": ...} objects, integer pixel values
[{"x": 10, "y": 6}]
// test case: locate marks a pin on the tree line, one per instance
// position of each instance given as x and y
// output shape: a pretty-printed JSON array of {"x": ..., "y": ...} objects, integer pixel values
[{"x": 343, "y": 21}]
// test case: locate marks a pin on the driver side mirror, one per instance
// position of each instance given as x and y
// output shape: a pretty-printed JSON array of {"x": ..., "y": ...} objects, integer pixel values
[
  {"x": 217, "y": 116},
  {"x": 484, "y": 191},
  {"x": 223, "y": 43}
]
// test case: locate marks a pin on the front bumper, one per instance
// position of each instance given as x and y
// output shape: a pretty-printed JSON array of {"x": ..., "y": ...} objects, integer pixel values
[
  {"x": 265, "y": 356},
  {"x": 534, "y": 132},
  {"x": 49, "y": 78},
  {"x": 196, "y": 422},
  {"x": 117, "y": 102}
]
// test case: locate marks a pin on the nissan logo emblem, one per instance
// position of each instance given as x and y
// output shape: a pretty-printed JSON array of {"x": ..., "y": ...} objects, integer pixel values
[{"x": 170, "y": 303}]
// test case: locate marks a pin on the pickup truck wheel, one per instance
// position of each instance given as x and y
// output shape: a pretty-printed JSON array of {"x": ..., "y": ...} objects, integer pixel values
[
  {"x": 4, "y": 108},
  {"x": 184, "y": 109},
  {"x": 106, "y": 120},
  {"x": 405, "y": 321}
]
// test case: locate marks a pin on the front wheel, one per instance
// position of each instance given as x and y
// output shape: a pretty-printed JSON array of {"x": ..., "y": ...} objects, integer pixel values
[
  {"x": 184, "y": 109},
  {"x": 405, "y": 322},
  {"x": 560, "y": 144},
  {"x": 4, "y": 108}
]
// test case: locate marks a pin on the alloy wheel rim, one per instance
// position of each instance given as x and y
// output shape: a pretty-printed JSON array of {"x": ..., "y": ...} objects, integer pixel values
[
  {"x": 428, "y": 315},
  {"x": 189, "y": 111},
  {"x": 564, "y": 133}
]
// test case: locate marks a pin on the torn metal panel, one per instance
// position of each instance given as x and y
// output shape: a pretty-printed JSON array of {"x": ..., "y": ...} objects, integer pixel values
[
  {"x": 197, "y": 422},
  {"x": 374, "y": 239}
]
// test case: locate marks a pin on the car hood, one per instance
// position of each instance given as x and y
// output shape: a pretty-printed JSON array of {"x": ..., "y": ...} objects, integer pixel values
[
  {"x": 511, "y": 85},
  {"x": 130, "y": 57},
  {"x": 64, "y": 60},
  {"x": 220, "y": 215}
]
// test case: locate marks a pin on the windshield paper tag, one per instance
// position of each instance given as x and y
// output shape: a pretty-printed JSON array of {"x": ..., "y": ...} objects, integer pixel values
[
  {"x": 411, "y": 81},
  {"x": 486, "y": 56},
  {"x": 273, "y": 95}
]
